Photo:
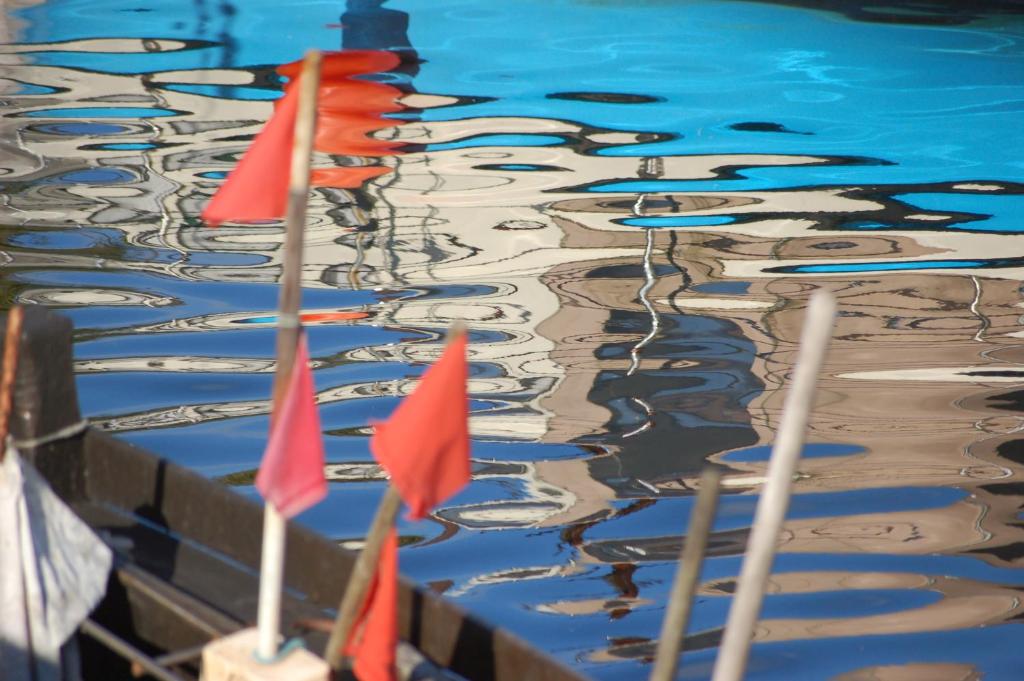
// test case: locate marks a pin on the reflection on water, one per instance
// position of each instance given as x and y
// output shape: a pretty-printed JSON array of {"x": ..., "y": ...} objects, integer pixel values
[{"x": 631, "y": 219}]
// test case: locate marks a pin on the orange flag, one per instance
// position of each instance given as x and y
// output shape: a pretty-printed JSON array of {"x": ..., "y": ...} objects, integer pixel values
[
  {"x": 291, "y": 476},
  {"x": 350, "y": 110},
  {"x": 424, "y": 445},
  {"x": 375, "y": 633},
  {"x": 257, "y": 189}
]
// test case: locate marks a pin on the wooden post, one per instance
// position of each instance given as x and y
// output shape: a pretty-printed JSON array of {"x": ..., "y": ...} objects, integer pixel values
[
  {"x": 298, "y": 194},
  {"x": 774, "y": 501},
  {"x": 12, "y": 342},
  {"x": 272, "y": 560},
  {"x": 691, "y": 559}
]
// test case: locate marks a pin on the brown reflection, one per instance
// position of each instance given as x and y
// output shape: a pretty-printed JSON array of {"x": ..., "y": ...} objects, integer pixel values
[
  {"x": 964, "y": 603},
  {"x": 918, "y": 350},
  {"x": 939, "y": 671}
]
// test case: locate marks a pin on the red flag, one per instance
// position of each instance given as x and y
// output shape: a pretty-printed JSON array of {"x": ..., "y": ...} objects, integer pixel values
[
  {"x": 424, "y": 446},
  {"x": 257, "y": 189},
  {"x": 350, "y": 110},
  {"x": 291, "y": 476},
  {"x": 375, "y": 633}
]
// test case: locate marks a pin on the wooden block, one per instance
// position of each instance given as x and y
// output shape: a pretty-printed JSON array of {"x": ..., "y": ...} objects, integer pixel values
[{"x": 231, "y": 659}]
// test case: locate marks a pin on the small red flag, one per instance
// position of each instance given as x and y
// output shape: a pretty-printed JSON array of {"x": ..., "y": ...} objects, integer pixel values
[
  {"x": 291, "y": 475},
  {"x": 257, "y": 189},
  {"x": 375, "y": 633},
  {"x": 424, "y": 445}
]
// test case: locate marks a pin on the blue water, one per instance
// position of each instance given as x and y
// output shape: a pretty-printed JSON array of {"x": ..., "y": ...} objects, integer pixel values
[{"x": 629, "y": 203}]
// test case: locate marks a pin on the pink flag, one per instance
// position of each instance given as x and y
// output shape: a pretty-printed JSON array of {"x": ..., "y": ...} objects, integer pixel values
[{"x": 291, "y": 475}]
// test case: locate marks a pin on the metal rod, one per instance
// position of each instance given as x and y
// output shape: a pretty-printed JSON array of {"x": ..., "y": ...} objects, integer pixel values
[
  {"x": 177, "y": 657},
  {"x": 774, "y": 501},
  {"x": 126, "y": 650},
  {"x": 691, "y": 560},
  {"x": 268, "y": 611},
  {"x": 12, "y": 341},
  {"x": 362, "y": 576}
]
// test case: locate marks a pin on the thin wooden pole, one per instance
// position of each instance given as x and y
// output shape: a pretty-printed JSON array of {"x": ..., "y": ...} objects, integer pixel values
[
  {"x": 691, "y": 560},
  {"x": 298, "y": 194},
  {"x": 272, "y": 559},
  {"x": 12, "y": 343},
  {"x": 771, "y": 507},
  {"x": 362, "y": 576},
  {"x": 366, "y": 564}
]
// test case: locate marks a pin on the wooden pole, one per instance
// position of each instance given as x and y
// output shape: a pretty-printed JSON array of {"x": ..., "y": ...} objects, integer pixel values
[
  {"x": 298, "y": 194},
  {"x": 272, "y": 560},
  {"x": 12, "y": 343},
  {"x": 774, "y": 501},
  {"x": 366, "y": 565},
  {"x": 362, "y": 576},
  {"x": 691, "y": 559}
]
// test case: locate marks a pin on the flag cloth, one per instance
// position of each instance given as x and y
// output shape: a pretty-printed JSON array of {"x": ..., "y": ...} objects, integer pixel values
[
  {"x": 257, "y": 189},
  {"x": 375, "y": 634},
  {"x": 424, "y": 445},
  {"x": 350, "y": 111},
  {"x": 53, "y": 572},
  {"x": 291, "y": 475}
]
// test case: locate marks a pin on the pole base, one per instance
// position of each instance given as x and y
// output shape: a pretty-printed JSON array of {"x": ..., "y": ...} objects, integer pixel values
[{"x": 232, "y": 658}]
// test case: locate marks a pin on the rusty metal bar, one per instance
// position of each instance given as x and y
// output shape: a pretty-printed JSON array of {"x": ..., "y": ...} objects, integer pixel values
[
  {"x": 127, "y": 651},
  {"x": 10, "y": 369}
]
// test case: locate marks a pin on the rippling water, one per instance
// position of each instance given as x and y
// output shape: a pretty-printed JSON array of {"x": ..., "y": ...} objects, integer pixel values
[{"x": 630, "y": 203}]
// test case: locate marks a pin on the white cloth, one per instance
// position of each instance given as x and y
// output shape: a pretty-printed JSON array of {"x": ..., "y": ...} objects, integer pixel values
[{"x": 53, "y": 572}]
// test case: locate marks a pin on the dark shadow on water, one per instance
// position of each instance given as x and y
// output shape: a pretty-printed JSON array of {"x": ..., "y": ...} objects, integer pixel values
[{"x": 912, "y": 12}]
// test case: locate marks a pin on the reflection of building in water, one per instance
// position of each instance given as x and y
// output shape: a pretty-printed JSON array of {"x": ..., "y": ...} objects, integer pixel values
[
  {"x": 888, "y": 323},
  {"x": 944, "y": 439},
  {"x": 926, "y": 333},
  {"x": 569, "y": 265},
  {"x": 932, "y": 349}
]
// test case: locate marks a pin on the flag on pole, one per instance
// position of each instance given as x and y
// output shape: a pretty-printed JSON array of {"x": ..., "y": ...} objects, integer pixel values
[
  {"x": 424, "y": 445},
  {"x": 257, "y": 189},
  {"x": 375, "y": 634},
  {"x": 350, "y": 110},
  {"x": 291, "y": 475},
  {"x": 53, "y": 572}
]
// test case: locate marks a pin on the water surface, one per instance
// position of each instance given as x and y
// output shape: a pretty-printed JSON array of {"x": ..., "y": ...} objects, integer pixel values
[{"x": 630, "y": 204}]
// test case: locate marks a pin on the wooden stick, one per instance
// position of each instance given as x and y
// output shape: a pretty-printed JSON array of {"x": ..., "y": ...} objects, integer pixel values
[
  {"x": 691, "y": 560},
  {"x": 272, "y": 559},
  {"x": 362, "y": 576},
  {"x": 298, "y": 194},
  {"x": 774, "y": 501},
  {"x": 12, "y": 343},
  {"x": 366, "y": 564}
]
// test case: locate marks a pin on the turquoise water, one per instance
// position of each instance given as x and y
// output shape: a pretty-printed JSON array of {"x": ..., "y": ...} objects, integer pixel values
[{"x": 630, "y": 204}]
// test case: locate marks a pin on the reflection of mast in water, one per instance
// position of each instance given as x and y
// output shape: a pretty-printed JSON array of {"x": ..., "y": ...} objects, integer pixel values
[
  {"x": 649, "y": 168},
  {"x": 370, "y": 28},
  {"x": 652, "y": 168}
]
